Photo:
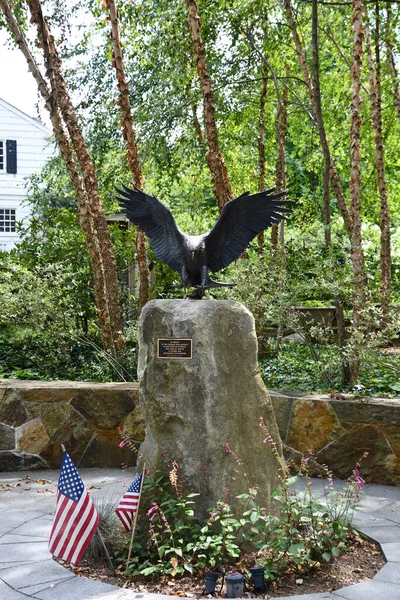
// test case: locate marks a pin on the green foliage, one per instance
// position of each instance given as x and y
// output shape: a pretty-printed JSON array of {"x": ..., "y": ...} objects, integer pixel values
[
  {"x": 296, "y": 367},
  {"x": 306, "y": 529},
  {"x": 165, "y": 97},
  {"x": 108, "y": 534},
  {"x": 302, "y": 529},
  {"x": 45, "y": 334},
  {"x": 165, "y": 543}
]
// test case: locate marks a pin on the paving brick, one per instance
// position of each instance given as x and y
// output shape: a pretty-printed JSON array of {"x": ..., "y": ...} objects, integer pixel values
[
  {"x": 34, "y": 573},
  {"x": 24, "y": 551},
  {"x": 7, "y": 593},
  {"x": 77, "y": 587},
  {"x": 392, "y": 552},
  {"x": 390, "y": 573},
  {"x": 367, "y": 590},
  {"x": 383, "y": 533}
]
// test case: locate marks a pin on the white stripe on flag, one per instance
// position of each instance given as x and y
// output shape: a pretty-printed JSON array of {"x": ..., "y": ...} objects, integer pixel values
[
  {"x": 78, "y": 525},
  {"x": 127, "y": 520},
  {"x": 63, "y": 507},
  {"x": 88, "y": 532},
  {"x": 71, "y": 519}
]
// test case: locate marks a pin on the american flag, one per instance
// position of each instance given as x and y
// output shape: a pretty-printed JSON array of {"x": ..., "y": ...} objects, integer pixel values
[
  {"x": 75, "y": 519},
  {"x": 129, "y": 503}
]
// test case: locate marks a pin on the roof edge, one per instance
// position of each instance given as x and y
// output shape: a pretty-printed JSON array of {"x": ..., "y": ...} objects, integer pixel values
[{"x": 31, "y": 120}]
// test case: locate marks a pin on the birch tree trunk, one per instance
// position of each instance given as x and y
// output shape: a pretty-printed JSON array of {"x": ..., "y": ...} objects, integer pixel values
[
  {"x": 321, "y": 127},
  {"x": 351, "y": 215},
  {"x": 280, "y": 184},
  {"x": 334, "y": 176},
  {"x": 359, "y": 292},
  {"x": 280, "y": 179},
  {"x": 83, "y": 204},
  {"x": 261, "y": 154},
  {"x": 132, "y": 152},
  {"x": 113, "y": 314},
  {"x": 391, "y": 60},
  {"x": 376, "y": 109},
  {"x": 280, "y": 132},
  {"x": 219, "y": 174}
]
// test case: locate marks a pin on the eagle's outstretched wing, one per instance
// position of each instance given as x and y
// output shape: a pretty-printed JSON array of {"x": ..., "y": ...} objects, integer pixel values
[
  {"x": 240, "y": 221},
  {"x": 157, "y": 222}
]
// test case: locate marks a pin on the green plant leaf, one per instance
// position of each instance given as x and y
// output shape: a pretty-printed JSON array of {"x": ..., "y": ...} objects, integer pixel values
[{"x": 326, "y": 556}]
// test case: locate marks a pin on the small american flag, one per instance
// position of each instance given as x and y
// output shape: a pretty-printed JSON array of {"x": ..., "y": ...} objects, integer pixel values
[
  {"x": 75, "y": 519},
  {"x": 129, "y": 503}
]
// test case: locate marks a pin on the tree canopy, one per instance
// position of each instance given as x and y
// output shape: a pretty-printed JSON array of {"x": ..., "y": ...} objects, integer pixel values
[{"x": 341, "y": 57}]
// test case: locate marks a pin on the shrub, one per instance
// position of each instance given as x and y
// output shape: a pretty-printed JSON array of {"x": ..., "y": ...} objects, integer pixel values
[{"x": 303, "y": 530}]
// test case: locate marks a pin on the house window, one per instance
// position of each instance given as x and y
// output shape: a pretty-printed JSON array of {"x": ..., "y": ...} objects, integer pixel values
[
  {"x": 8, "y": 156},
  {"x": 7, "y": 220}
]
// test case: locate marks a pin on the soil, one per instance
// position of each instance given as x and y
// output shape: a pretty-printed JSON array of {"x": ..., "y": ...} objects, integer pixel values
[{"x": 363, "y": 560}]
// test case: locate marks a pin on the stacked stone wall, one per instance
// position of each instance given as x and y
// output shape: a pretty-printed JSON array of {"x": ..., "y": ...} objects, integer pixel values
[
  {"x": 339, "y": 430},
  {"x": 37, "y": 417}
]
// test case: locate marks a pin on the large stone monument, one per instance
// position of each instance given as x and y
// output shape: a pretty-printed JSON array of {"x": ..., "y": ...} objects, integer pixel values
[{"x": 201, "y": 394}]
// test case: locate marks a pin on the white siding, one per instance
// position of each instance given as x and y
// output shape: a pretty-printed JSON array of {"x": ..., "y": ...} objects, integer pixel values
[{"x": 33, "y": 150}]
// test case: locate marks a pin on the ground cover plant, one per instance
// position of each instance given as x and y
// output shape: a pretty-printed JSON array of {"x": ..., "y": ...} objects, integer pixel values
[
  {"x": 296, "y": 368},
  {"x": 303, "y": 531}
]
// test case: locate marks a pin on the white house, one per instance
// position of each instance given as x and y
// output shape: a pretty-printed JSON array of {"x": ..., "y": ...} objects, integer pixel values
[{"x": 24, "y": 149}]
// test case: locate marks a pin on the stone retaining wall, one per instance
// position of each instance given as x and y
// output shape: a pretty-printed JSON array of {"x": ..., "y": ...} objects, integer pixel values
[
  {"x": 339, "y": 430},
  {"x": 37, "y": 417}
]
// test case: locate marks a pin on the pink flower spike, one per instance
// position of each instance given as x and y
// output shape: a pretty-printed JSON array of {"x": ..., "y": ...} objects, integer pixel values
[{"x": 152, "y": 509}]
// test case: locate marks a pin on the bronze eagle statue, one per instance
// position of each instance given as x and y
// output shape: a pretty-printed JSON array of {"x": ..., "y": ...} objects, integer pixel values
[{"x": 193, "y": 256}]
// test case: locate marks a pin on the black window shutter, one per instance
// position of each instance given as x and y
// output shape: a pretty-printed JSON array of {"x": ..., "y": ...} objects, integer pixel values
[{"x": 11, "y": 149}]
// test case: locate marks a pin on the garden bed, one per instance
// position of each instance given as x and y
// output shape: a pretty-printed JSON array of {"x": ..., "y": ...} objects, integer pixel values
[{"x": 361, "y": 562}]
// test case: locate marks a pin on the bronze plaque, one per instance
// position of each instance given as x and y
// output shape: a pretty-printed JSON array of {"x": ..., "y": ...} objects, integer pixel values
[{"x": 174, "y": 348}]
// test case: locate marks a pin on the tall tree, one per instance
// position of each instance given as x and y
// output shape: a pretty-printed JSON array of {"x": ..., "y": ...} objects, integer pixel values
[
  {"x": 100, "y": 256},
  {"x": 391, "y": 59},
  {"x": 280, "y": 183},
  {"x": 132, "y": 152},
  {"x": 376, "y": 109},
  {"x": 277, "y": 230},
  {"x": 317, "y": 116},
  {"x": 261, "y": 150},
  {"x": 321, "y": 126},
  {"x": 359, "y": 293},
  {"x": 215, "y": 161},
  {"x": 351, "y": 216}
]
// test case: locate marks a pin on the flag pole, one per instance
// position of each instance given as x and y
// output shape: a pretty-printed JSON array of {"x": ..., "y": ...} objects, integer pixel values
[
  {"x": 101, "y": 538},
  {"x": 136, "y": 516}
]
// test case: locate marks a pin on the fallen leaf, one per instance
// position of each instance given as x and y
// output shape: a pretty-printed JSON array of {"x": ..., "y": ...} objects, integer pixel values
[{"x": 43, "y": 481}]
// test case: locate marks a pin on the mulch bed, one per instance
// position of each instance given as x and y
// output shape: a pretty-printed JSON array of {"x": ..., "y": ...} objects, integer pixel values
[{"x": 363, "y": 560}]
